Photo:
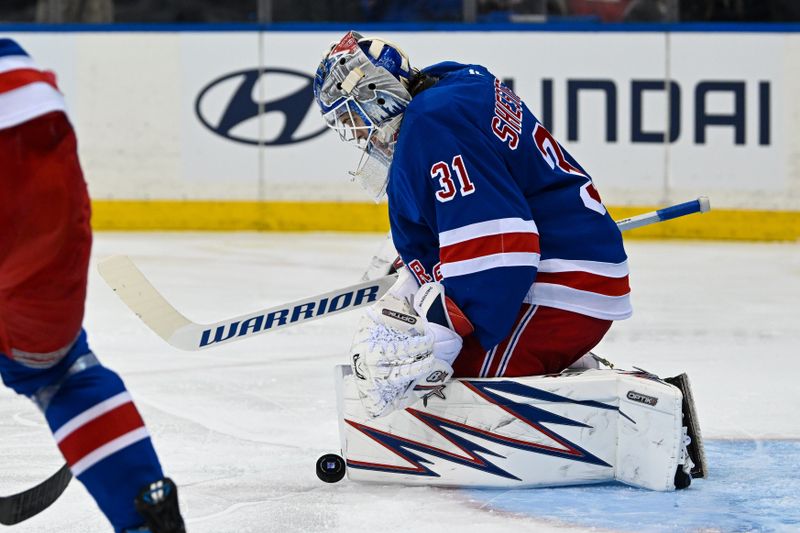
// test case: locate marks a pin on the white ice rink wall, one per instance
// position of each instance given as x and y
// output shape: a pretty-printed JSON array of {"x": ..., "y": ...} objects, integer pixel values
[{"x": 218, "y": 129}]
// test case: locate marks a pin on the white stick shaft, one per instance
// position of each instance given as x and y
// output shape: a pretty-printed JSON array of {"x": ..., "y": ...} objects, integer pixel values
[{"x": 159, "y": 315}]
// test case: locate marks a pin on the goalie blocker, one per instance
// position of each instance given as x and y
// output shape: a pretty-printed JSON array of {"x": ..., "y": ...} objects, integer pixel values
[{"x": 575, "y": 428}]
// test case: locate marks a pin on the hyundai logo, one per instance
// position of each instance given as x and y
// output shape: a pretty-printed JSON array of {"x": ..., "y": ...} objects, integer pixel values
[{"x": 231, "y": 106}]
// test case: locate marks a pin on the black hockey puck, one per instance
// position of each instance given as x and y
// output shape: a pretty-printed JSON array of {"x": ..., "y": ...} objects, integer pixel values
[{"x": 330, "y": 468}]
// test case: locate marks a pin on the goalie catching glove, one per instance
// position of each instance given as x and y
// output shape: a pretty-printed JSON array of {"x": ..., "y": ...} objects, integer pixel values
[{"x": 401, "y": 351}]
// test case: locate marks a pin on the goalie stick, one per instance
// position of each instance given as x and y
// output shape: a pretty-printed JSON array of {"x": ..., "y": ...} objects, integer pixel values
[
  {"x": 23, "y": 505},
  {"x": 133, "y": 288},
  {"x": 158, "y": 314},
  {"x": 701, "y": 205}
]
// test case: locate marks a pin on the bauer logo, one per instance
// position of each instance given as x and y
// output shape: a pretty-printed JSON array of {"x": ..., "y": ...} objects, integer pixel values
[
  {"x": 437, "y": 375},
  {"x": 641, "y": 398},
  {"x": 269, "y": 107}
]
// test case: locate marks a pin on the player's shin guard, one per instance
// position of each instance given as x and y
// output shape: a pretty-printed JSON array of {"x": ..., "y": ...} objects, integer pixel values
[
  {"x": 103, "y": 438},
  {"x": 96, "y": 426}
]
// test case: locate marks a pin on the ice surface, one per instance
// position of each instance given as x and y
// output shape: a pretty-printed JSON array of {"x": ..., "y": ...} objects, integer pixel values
[
  {"x": 240, "y": 427},
  {"x": 755, "y": 486}
]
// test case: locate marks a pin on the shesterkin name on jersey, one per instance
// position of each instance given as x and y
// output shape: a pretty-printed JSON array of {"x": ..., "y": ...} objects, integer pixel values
[
  {"x": 507, "y": 121},
  {"x": 507, "y": 216},
  {"x": 26, "y": 92}
]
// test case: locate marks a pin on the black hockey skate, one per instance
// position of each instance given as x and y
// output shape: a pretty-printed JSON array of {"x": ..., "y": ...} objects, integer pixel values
[
  {"x": 158, "y": 505},
  {"x": 695, "y": 449}
]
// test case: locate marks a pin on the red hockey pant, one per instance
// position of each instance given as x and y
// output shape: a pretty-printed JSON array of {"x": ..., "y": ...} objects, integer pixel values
[
  {"x": 544, "y": 340},
  {"x": 45, "y": 238}
]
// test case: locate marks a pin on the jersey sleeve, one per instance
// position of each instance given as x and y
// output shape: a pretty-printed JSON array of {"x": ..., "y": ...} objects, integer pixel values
[{"x": 483, "y": 242}]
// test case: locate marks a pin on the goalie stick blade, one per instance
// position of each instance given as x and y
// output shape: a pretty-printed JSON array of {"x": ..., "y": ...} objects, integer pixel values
[
  {"x": 158, "y": 314},
  {"x": 141, "y": 297},
  {"x": 21, "y": 506},
  {"x": 690, "y": 420}
]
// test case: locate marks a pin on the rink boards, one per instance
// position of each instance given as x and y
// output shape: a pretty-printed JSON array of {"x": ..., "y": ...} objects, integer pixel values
[{"x": 217, "y": 130}]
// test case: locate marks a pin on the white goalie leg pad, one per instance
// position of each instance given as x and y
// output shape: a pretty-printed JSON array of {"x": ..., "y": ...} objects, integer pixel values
[
  {"x": 650, "y": 435},
  {"x": 583, "y": 427}
]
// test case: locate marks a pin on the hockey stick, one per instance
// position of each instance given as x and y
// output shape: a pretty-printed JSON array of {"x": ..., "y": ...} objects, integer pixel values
[
  {"x": 158, "y": 314},
  {"x": 23, "y": 505},
  {"x": 701, "y": 205}
]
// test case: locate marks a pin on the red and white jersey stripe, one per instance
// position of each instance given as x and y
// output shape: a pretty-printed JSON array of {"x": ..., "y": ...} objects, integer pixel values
[
  {"x": 505, "y": 242},
  {"x": 99, "y": 432},
  {"x": 25, "y": 91},
  {"x": 592, "y": 288}
]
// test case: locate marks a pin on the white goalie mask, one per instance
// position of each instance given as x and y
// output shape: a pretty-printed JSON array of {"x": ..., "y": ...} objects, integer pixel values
[{"x": 361, "y": 89}]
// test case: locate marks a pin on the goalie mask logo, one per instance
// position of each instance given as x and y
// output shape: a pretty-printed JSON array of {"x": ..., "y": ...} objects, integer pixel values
[{"x": 266, "y": 107}]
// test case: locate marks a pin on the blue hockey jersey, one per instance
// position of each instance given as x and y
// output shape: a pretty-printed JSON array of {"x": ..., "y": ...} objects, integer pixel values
[{"x": 485, "y": 200}]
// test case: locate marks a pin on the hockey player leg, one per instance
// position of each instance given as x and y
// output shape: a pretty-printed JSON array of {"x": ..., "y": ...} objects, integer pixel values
[{"x": 97, "y": 428}]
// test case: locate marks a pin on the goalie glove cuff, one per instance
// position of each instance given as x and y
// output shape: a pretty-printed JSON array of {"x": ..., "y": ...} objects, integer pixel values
[
  {"x": 431, "y": 303},
  {"x": 404, "y": 288},
  {"x": 445, "y": 321}
]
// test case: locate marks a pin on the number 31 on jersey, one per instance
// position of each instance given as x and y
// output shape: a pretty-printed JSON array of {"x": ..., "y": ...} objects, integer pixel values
[{"x": 444, "y": 173}]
